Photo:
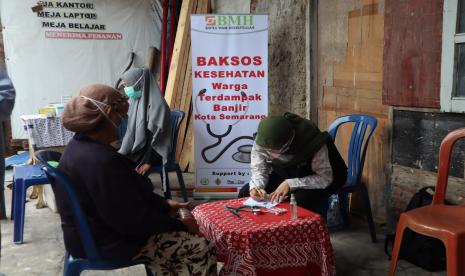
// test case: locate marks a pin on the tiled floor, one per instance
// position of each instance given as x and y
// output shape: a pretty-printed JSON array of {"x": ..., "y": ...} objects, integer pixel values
[{"x": 42, "y": 251}]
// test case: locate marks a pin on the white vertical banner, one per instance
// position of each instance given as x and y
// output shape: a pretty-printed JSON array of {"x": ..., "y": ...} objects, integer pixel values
[{"x": 229, "y": 95}]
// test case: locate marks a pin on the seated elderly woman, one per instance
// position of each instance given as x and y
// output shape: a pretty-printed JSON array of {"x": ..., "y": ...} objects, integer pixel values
[{"x": 127, "y": 220}]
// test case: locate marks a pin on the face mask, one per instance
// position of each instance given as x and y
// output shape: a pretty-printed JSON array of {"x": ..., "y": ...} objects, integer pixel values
[
  {"x": 120, "y": 131},
  {"x": 281, "y": 157},
  {"x": 132, "y": 93},
  {"x": 122, "y": 127},
  {"x": 116, "y": 144},
  {"x": 273, "y": 154},
  {"x": 276, "y": 155}
]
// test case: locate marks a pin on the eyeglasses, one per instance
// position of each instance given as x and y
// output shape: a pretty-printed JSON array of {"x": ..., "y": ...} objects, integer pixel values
[{"x": 287, "y": 145}]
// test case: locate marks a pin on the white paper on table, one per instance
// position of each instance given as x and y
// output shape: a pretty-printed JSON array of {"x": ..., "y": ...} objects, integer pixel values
[{"x": 254, "y": 203}]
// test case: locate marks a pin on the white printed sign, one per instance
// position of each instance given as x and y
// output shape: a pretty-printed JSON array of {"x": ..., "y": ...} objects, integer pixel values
[{"x": 230, "y": 97}]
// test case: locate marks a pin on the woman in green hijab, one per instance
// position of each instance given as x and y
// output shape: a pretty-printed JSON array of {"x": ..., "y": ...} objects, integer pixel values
[{"x": 290, "y": 154}]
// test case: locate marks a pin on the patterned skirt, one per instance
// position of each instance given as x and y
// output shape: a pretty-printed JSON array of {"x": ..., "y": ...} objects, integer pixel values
[{"x": 179, "y": 253}]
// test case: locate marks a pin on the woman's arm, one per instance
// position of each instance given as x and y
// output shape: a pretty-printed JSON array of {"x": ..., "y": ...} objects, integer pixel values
[
  {"x": 323, "y": 173},
  {"x": 260, "y": 169}
]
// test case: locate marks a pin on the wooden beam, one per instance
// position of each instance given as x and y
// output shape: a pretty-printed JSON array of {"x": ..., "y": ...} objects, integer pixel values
[
  {"x": 179, "y": 85},
  {"x": 182, "y": 106},
  {"x": 187, "y": 160},
  {"x": 181, "y": 40}
]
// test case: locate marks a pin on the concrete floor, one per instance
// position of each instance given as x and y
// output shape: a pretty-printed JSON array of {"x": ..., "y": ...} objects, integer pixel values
[{"x": 42, "y": 251}]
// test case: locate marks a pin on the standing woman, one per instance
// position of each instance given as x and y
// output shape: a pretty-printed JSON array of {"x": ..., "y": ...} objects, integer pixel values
[{"x": 147, "y": 139}]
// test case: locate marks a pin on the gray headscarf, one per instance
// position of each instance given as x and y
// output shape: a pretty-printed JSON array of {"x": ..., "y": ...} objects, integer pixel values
[
  {"x": 148, "y": 118},
  {"x": 134, "y": 77}
]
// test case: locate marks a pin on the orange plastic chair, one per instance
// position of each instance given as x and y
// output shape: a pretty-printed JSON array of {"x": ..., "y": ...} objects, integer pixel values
[{"x": 438, "y": 220}]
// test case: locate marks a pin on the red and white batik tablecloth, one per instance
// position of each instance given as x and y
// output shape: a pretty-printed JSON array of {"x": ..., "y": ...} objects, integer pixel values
[{"x": 267, "y": 244}]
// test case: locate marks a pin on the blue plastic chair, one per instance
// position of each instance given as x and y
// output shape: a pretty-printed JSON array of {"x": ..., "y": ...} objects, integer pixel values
[
  {"x": 363, "y": 129},
  {"x": 24, "y": 177},
  {"x": 177, "y": 116},
  {"x": 74, "y": 266}
]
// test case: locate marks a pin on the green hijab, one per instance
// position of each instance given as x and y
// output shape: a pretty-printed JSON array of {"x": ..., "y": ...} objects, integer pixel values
[{"x": 275, "y": 131}]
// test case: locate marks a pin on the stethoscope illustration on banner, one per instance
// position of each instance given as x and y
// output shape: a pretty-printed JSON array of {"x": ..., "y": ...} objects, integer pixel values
[{"x": 243, "y": 152}]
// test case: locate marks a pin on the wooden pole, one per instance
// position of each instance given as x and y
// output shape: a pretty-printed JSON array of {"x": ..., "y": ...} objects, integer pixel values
[{"x": 163, "y": 47}]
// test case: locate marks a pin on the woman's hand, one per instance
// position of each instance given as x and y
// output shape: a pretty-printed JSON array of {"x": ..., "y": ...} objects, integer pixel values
[
  {"x": 257, "y": 193},
  {"x": 191, "y": 224},
  {"x": 280, "y": 192},
  {"x": 143, "y": 168},
  {"x": 175, "y": 206}
]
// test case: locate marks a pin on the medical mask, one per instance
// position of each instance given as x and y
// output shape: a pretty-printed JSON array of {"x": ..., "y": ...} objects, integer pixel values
[
  {"x": 276, "y": 155},
  {"x": 116, "y": 144},
  {"x": 122, "y": 127},
  {"x": 281, "y": 157},
  {"x": 120, "y": 131},
  {"x": 286, "y": 158},
  {"x": 132, "y": 93}
]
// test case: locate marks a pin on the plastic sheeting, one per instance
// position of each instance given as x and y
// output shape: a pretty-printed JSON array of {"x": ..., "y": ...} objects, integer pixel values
[{"x": 51, "y": 55}]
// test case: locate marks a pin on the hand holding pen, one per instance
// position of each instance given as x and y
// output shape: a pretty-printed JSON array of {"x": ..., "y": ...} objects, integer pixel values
[{"x": 258, "y": 194}]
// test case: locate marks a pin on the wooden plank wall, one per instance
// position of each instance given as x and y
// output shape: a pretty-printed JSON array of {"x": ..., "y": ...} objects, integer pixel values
[
  {"x": 412, "y": 55},
  {"x": 356, "y": 88},
  {"x": 179, "y": 85}
]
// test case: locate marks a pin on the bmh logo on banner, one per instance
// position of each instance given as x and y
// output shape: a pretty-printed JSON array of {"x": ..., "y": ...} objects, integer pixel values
[{"x": 230, "y": 97}]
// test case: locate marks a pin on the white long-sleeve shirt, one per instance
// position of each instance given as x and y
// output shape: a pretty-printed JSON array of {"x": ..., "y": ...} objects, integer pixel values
[{"x": 261, "y": 169}]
